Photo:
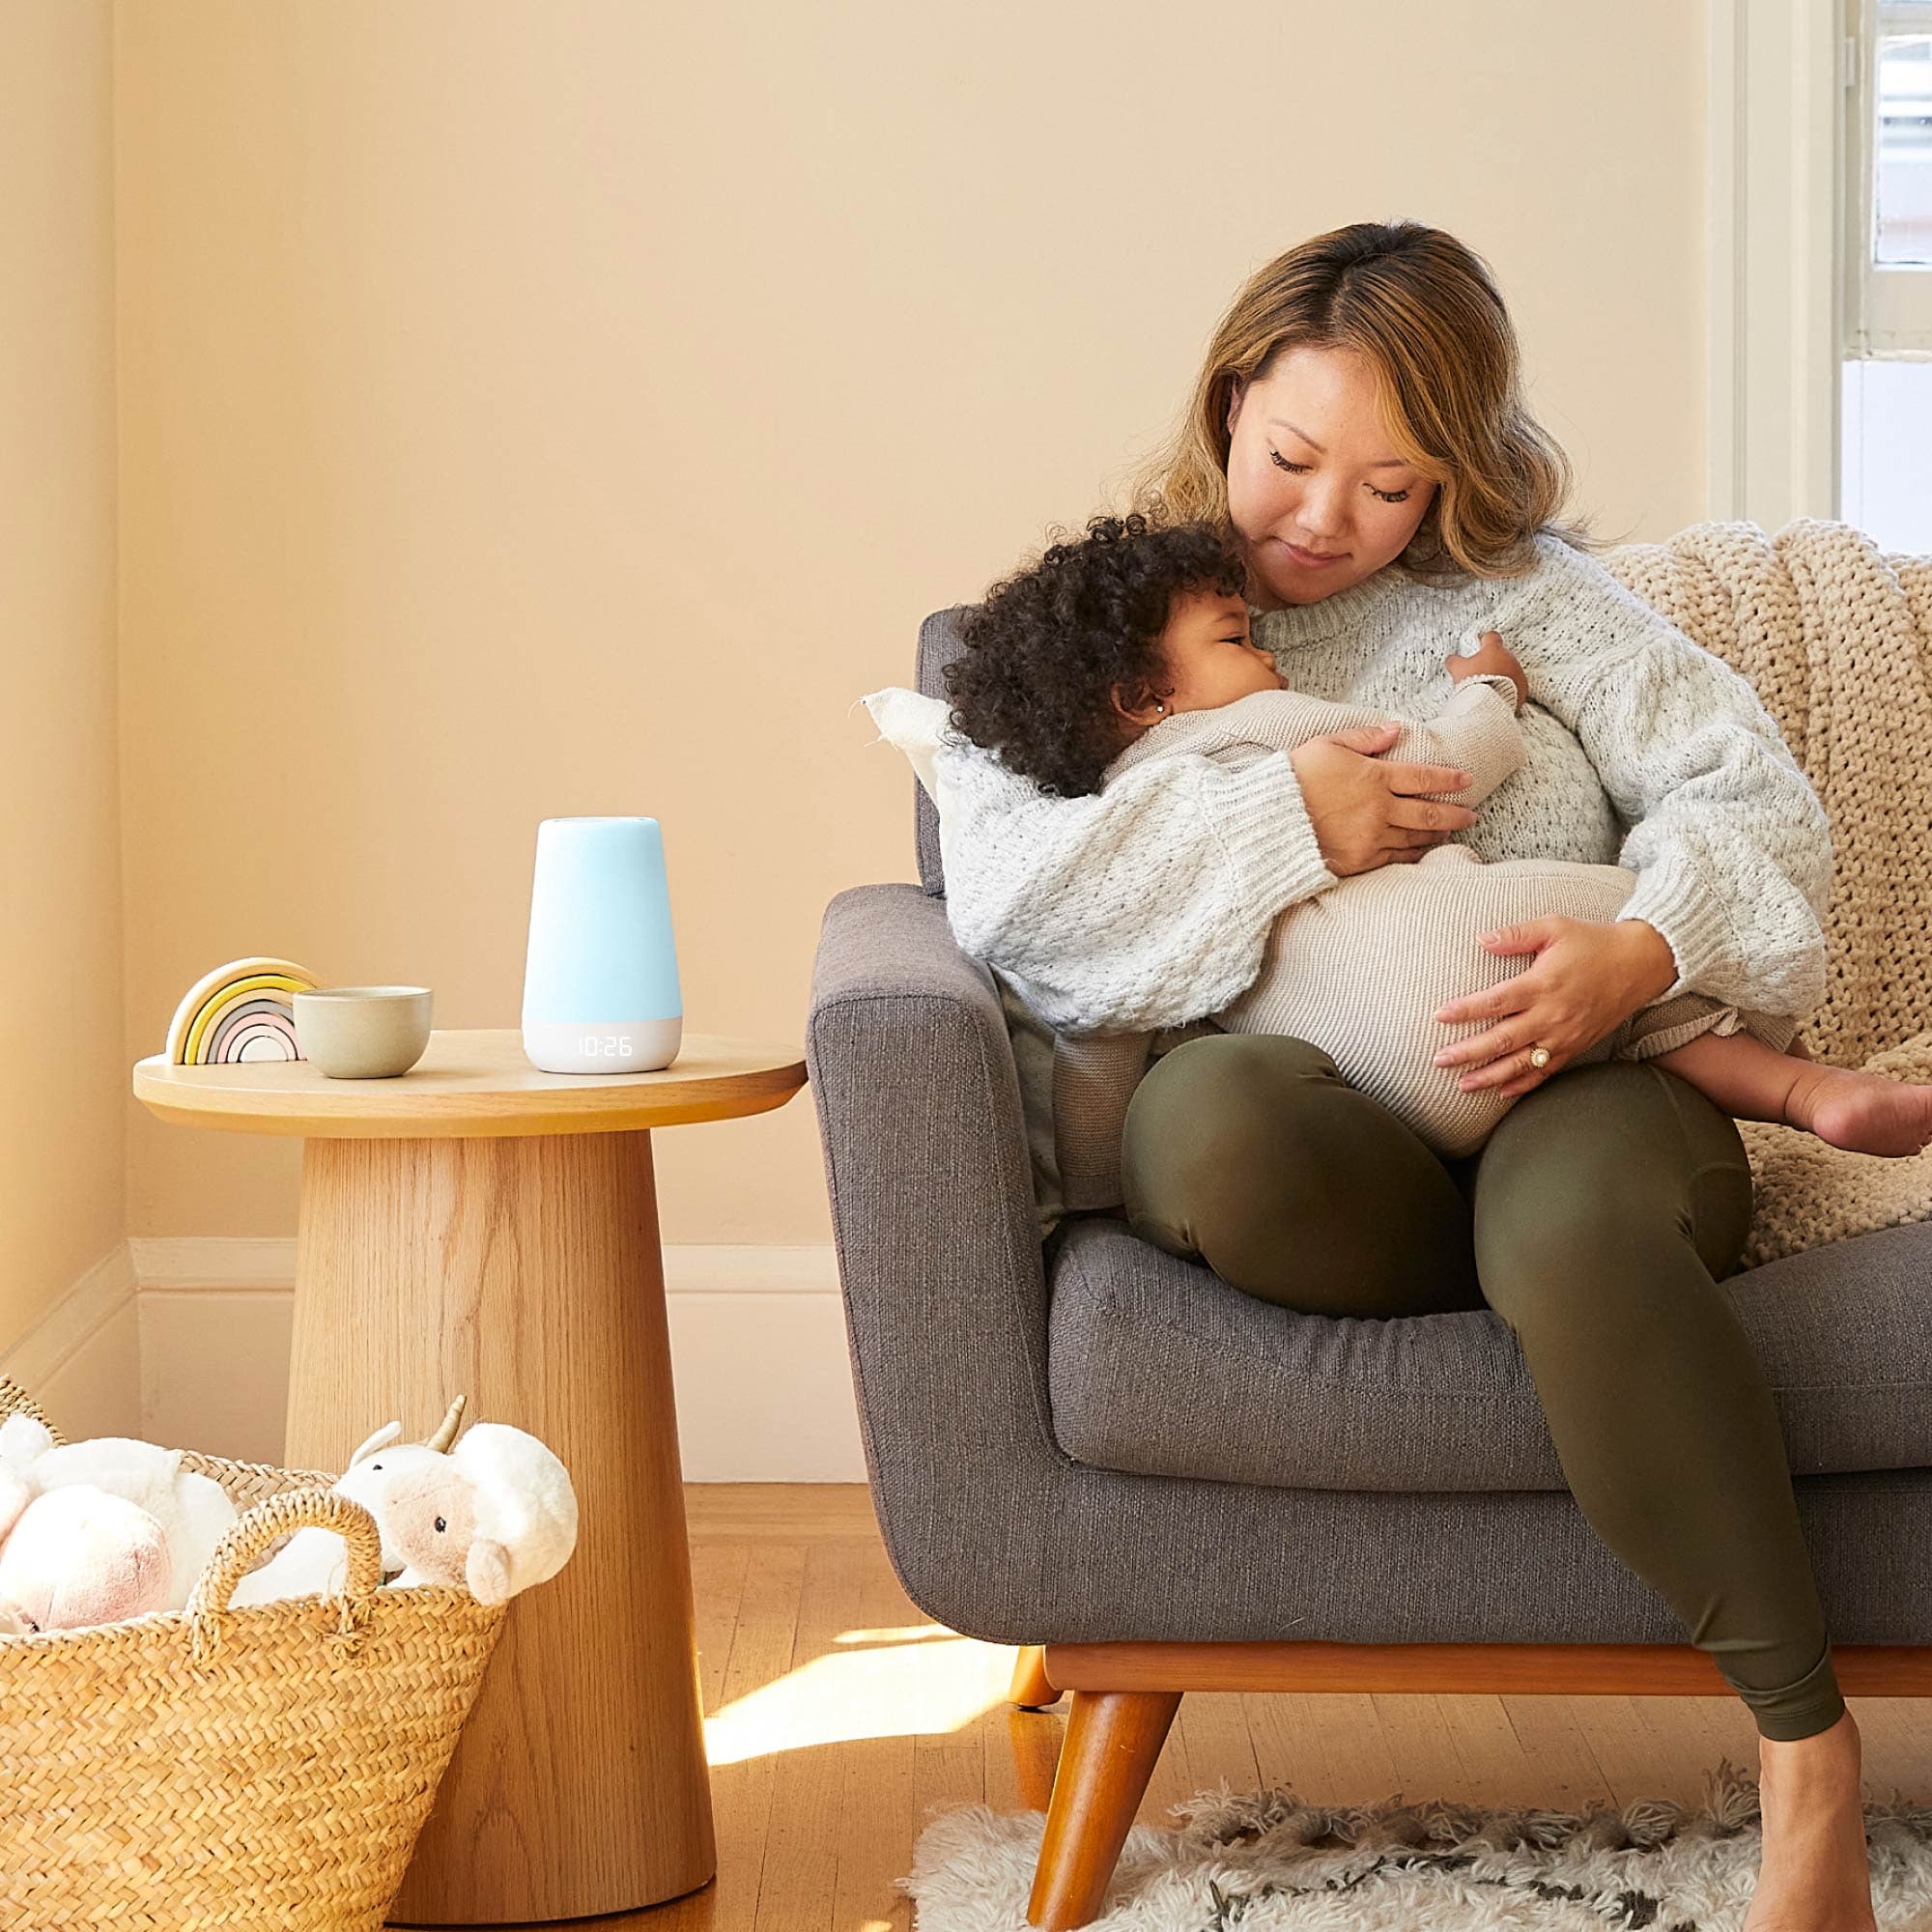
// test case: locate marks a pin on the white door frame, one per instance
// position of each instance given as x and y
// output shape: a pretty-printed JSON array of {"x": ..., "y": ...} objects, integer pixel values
[{"x": 1777, "y": 78}]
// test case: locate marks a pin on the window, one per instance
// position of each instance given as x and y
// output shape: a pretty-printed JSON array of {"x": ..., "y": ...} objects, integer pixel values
[
  {"x": 1901, "y": 171},
  {"x": 1886, "y": 421}
]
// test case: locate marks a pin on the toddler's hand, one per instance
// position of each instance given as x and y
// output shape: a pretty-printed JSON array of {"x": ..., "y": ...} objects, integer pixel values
[{"x": 1494, "y": 657}]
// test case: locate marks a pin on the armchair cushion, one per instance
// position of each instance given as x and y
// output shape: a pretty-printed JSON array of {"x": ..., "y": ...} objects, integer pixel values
[{"x": 1157, "y": 1367}]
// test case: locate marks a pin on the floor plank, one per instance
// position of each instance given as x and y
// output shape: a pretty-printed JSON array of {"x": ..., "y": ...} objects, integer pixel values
[
  {"x": 1894, "y": 1744},
  {"x": 741, "y": 1788},
  {"x": 718, "y": 1573},
  {"x": 1287, "y": 1734},
  {"x": 1630, "y": 1757},
  {"x": 1362, "y": 1766},
  {"x": 1564, "y": 1774},
  {"x": 1493, "y": 1766},
  {"x": 1686, "y": 1750},
  {"x": 1418, "y": 1738},
  {"x": 878, "y": 1820},
  {"x": 799, "y": 1874},
  {"x": 1215, "y": 1723}
]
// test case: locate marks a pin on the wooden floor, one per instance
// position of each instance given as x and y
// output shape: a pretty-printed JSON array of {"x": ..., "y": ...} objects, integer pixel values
[{"x": 836, "y": 1713}]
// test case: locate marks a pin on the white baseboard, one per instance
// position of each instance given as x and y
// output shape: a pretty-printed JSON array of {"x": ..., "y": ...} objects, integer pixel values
[
  {"x": 81, "y": 1361},
  {"x": 765, "y": 1386}
]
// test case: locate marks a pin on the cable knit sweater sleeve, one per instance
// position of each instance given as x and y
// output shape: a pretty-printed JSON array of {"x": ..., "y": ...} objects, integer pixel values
[
  {"x": 1142, "y": 906},
  {"x": 1730, "y": 844}
]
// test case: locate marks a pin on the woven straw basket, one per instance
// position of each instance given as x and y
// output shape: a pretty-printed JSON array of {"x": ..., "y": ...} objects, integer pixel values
[{"x": 268, "y": 1767}]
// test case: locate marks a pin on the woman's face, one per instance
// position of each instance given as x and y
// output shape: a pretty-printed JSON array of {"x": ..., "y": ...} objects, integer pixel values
[{"x": 1318, "y": 497}]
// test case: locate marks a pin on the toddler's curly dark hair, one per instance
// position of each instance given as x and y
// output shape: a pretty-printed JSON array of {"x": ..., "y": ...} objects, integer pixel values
[{"x": 1050, "y": 642}]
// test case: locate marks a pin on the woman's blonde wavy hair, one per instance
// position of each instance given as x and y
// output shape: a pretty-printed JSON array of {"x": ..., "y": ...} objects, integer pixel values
[{"x": 1424, "y": 309}]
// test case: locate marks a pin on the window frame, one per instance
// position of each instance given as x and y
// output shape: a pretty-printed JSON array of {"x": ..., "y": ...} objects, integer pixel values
[{"x": 1888, "y": 306}]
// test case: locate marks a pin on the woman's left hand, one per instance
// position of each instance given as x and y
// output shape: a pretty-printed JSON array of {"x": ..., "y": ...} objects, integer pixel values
[{"x": 1589, "y": 978}]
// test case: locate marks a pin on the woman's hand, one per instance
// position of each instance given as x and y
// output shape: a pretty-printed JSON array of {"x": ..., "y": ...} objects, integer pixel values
[
  {"x": 1366, "y": 812},
  {"x": 1589, "y": 977}
]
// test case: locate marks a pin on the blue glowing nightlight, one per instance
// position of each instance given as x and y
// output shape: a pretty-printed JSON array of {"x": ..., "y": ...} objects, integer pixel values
[{"x": 600, "y": 985}]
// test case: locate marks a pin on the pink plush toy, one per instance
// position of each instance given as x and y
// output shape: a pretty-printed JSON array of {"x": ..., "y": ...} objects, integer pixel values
[
  {"x": 77, "y": 1555},
  {"x": 192, "y": 1512}
]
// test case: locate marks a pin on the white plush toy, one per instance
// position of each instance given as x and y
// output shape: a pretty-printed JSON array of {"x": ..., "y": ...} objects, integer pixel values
[
  {"x": 496, "y": 1513},
  {"x": 194, "y": 1511}
]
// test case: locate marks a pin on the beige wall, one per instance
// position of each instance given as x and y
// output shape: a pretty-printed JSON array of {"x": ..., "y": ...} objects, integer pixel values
[
  {"x": 62, "y": 1119},
  {"x": 528, "y": 410}
]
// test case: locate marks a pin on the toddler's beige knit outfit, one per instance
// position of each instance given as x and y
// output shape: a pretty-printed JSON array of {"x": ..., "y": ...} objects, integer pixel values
[{"x": 1359, "y": 970}]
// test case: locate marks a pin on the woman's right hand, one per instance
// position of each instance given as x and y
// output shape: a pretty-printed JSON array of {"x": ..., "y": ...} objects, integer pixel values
[{"x": 1367, "y": 812}]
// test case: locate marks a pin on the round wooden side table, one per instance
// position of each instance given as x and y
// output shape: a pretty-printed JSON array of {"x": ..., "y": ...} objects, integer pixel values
[{"x": 479, "y": 1227}]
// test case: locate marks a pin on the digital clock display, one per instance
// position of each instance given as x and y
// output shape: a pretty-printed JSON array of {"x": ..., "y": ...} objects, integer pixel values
[{"x": 612, "y": 1048}]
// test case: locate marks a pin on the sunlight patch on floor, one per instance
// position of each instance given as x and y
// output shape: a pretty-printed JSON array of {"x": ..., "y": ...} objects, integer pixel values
[
  {"x": 910, "y": 1681},
  {"x": 903, "y": 1633}
]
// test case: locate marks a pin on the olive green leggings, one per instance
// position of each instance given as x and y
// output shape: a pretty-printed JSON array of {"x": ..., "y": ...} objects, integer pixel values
[{"x": 1596, "y": 1220}]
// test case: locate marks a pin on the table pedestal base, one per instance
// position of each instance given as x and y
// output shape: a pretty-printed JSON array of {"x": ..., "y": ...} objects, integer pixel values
[{"x": 525, "y": 1272}]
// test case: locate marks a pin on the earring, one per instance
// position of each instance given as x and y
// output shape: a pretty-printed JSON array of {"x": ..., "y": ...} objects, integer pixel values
[{"x": 1159, "y": 707}]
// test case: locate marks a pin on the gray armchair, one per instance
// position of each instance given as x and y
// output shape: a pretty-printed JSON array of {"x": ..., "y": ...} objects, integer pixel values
[{"x": 1154, "y": 1482}]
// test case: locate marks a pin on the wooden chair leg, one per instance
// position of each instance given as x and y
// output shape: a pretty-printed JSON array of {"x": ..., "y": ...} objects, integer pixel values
[
  {"x": 1036, "y": 1754},
  {"x": 1031, "y": 1689},
  {"x": 1112, "y": 1745}
]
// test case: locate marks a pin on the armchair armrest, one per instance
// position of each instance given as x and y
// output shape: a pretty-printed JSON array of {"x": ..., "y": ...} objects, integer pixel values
[{"x": 937, "y": 1245}]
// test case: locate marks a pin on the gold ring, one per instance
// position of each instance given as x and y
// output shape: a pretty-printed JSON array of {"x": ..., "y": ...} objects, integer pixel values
[{"x": 1539, "y": 1056}]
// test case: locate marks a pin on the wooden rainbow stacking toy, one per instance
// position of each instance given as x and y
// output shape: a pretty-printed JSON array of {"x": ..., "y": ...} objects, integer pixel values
[{"x": 241, "y": 1012}]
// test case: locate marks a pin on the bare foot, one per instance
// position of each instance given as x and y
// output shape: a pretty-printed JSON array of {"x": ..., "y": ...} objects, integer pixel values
[
  {"x": 1813, "y": 1876},
  {"x": 1865, "y": 1112}
]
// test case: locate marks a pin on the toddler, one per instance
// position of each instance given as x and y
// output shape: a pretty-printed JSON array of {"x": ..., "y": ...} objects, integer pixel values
[{"x": 1135, "y": 644}]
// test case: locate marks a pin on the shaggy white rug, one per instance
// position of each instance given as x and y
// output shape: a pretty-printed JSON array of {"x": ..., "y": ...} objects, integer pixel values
[{"x": 1268, "y": 1860}]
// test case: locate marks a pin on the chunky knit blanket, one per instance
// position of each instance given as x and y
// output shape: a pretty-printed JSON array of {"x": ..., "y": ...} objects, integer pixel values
[{"x": 1836, "y": 636}]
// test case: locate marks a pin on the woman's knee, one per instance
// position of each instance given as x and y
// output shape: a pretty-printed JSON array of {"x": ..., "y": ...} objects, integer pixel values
[
  {"x": 1250, "y": 1151},
  {"x": 1593, "y": 1178},
  {"x": 1213, "y": 1080},
  {"x": 1226, "y": 1107}
]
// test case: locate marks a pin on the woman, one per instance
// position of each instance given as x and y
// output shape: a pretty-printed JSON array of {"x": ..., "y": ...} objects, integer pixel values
[{"x": 1358, "y": 423}]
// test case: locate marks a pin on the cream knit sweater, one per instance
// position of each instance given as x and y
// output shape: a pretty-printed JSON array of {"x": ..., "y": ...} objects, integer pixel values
[
  {"x": 1360, "y": 969},
  {"x": 1149, "y": 905}
]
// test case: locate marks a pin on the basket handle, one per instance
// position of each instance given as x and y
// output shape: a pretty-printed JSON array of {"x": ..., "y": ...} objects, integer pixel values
[{"x": 276, "y": 1516}]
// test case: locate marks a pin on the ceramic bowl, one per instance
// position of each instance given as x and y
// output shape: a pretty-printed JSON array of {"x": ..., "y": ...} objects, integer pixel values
[{"x": 363, "y": 1032}]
